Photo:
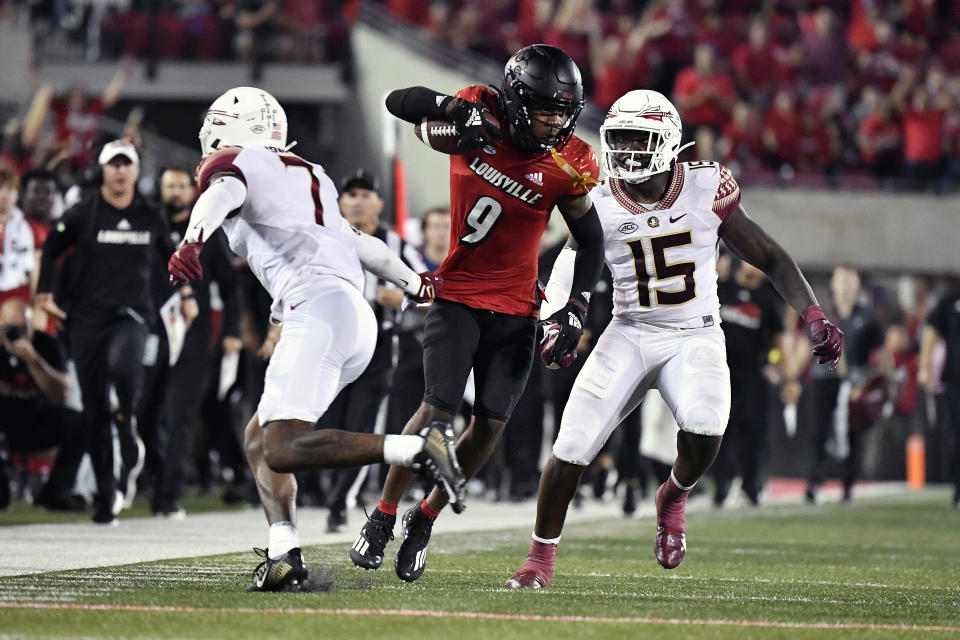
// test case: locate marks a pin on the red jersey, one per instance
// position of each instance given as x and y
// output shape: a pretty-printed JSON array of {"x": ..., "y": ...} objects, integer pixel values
[{"x": 500, "y": 201}]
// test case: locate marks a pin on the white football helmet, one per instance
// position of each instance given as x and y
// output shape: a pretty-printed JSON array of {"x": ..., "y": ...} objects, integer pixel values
[
  {"x": 640, "y": 111},
  {"x": 244, "y": 116}
]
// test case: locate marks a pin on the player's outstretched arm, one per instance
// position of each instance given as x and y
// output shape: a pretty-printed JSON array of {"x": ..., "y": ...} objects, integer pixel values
[
  {"x": 418, "y": 104},
  {"x": 751, "y": 243},
  {"x": 224, "y": 194},
  {"x": 378, "y": 259},
  {"x": 413, "y": 104}
]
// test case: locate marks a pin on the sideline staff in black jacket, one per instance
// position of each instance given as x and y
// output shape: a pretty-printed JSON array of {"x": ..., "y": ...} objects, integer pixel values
[{"x": 115, "y": 235}]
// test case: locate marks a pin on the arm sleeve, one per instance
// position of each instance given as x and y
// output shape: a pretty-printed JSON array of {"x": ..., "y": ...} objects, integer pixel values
[
  {"x": 377, "y": 258},
  {"x": 588, "y": 234},
  {"x": 416, "y": 103},
  {"x": 561, "y": 279},
  {"x": 64, "y": 235},
  {"x": 224, "y": 196},
  {"x": 225, "y": 275}
]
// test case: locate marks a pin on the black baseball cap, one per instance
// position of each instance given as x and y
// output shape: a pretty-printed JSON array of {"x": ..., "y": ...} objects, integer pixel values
[{"x": 360, "y": 178}]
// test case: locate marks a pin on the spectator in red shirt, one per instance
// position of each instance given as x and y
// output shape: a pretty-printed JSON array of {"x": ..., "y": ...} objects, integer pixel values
[
  {"x": 577, "y": 30},
  {"x": 760, "y": 64},
  {"x": 77, "y": 117},
  {"x": 622, "y": 64},
  {"x": 532, "y": 22},
  {"x": 741, "y": 145},
  {"x": 824, "y": 51},
  {"x": 781, "y": 130},
  {"x": 703, "y": 93},
  {"x": 879, "y": 136},
  {"x": 816, "y": 147},
  {"x": 924, "y": 115},
  {"x": 860, "y": 28}
]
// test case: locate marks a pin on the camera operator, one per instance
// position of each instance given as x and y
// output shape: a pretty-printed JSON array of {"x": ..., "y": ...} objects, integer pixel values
[
  {"x": 116, "y": 237},
  {"x": 33, "y": 388}
]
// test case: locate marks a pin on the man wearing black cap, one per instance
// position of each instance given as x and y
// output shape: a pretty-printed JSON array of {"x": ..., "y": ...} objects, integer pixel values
[
  {"x": 356, "y": 407},
  {"x": 116, "y": 236}
]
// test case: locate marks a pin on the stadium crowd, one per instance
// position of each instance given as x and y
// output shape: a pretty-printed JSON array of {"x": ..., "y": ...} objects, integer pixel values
[
  {"x": 860, "y": 94},
  {"x": 810, "y": 91}
]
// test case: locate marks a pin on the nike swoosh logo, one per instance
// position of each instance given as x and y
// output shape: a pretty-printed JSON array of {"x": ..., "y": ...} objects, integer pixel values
[
  {"x": 294, "y": 306},
  {"x": 672, "y": 220}
]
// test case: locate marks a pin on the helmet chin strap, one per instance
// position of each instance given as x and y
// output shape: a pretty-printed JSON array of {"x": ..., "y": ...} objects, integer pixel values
[{"x": 290, "y": 146}]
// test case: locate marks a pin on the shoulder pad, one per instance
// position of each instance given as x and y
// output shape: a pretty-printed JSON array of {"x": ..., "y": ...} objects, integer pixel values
[{"x": 220, "y": 161}]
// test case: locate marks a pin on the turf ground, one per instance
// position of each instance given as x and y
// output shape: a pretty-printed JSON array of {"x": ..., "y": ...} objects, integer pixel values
[{"x": 880, "y": 568}]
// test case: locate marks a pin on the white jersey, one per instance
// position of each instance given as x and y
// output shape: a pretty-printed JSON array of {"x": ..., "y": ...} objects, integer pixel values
[
  {"x": 289, "y": 228},
  {"x": 18, "y": 249},
  {"x": 664, "y": 258}
]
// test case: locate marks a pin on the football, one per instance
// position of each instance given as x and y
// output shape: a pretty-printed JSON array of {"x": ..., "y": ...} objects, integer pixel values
[{"x": 442, "y": 136}]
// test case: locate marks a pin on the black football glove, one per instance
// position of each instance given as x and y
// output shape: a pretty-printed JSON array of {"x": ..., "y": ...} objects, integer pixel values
[
  {"x": 474, "y": 129},
  {"x": 561, "y": 334}
]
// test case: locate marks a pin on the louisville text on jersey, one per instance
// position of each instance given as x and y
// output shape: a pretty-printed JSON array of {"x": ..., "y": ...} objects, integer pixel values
[{"x": 503, "y": 182}]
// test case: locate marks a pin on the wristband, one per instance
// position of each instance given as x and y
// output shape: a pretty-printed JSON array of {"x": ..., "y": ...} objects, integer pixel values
[{"x": 812, "y": 313}]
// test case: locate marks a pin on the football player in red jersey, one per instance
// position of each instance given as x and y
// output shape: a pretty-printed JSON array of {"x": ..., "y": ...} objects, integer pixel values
[{"x": 502, "y": 190}]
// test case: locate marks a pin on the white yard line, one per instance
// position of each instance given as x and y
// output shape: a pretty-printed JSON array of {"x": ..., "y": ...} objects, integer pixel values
[{"x": 38, "y": 548}]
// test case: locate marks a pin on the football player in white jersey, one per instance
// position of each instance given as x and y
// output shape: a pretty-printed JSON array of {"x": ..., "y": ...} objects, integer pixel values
[
  {"x": 661, "y": 222},
  {"x": 280, "y": 214}
]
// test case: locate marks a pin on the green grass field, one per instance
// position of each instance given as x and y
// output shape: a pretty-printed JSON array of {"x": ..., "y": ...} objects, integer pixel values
[
  {"x": 23, "y": 513},
  {"x": 893, "y": 562}
]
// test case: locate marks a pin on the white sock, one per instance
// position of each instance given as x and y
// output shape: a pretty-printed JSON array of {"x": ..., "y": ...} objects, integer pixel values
[
  {"x": 400, "y": 450},
  {"x": 677, "y": 483},
  {"x": 283, "y": 537},
  {"x": 546, "y": 540}
]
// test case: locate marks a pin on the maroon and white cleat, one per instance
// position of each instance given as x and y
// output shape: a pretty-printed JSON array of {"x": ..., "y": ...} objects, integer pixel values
[
  {"x": 527, "y": 579},
  {"x": 670, "y": 543},
  {"x": 537, "y": 569}
]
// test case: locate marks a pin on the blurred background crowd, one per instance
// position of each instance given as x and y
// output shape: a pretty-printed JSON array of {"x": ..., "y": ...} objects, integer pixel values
[
  {"x": 848, "y": 95},
  {"x": 858, "y": 94}
]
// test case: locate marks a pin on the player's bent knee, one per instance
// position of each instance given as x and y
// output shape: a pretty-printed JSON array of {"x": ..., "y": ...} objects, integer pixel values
[
  {"x": 704, "y": 420},
  {"x": 276, "y": 446},
  {"x": 573, "y": 447}
]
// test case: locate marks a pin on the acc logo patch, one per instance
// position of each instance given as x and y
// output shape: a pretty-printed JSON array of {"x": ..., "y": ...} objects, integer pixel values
[
  {"x": 257, "y": 128},
  {"x": 488, "y": 149},
  {"x": 627, "y": 227}
]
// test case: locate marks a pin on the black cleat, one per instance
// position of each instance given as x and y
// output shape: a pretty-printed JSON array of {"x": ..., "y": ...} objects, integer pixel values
[
  {"x": 438, "y": 462},
  {"x": 411, "y": 559},
  {"x": 286, "y": 573},
  {"x": 367, "y": 551}
]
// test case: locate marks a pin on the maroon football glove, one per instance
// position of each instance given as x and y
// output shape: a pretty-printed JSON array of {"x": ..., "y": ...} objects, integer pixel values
[
  {"x": 561, "y": 335},
  {"x": 826, "y": 336},
  {"x": 184, "y": 264},
  {"x": 552, "y": 357},
  {"x": 430, "y": 285}
]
